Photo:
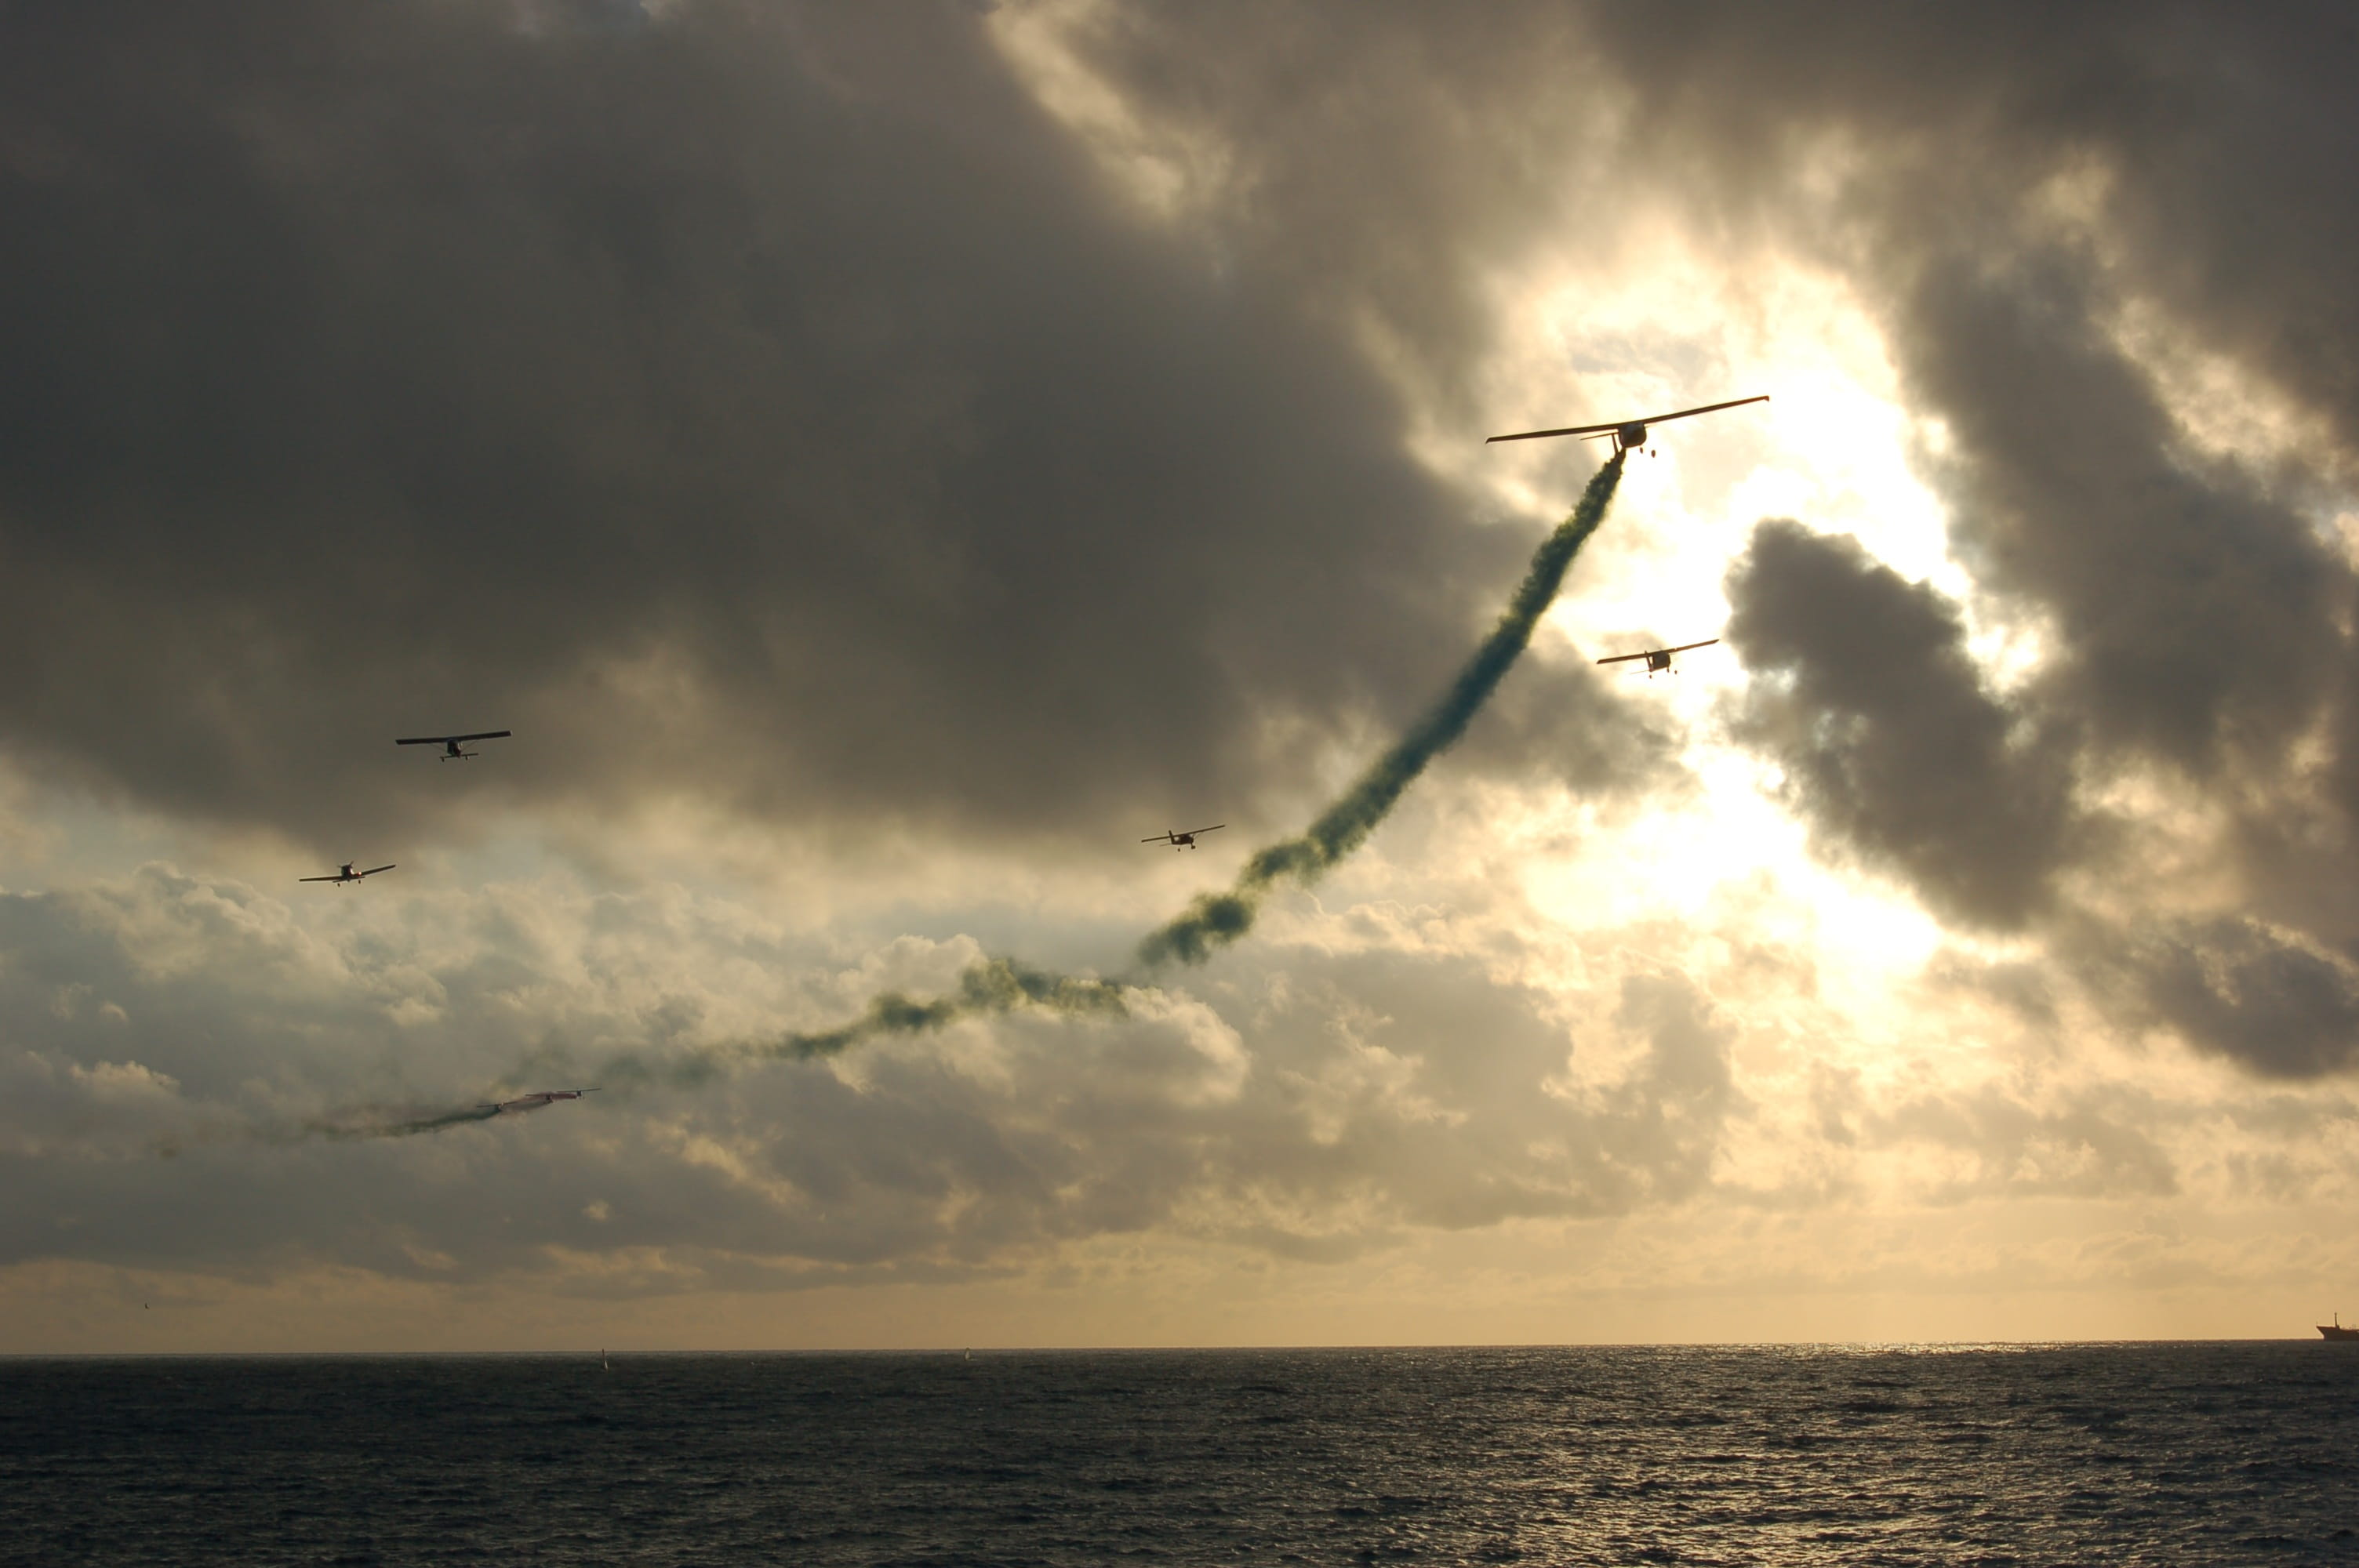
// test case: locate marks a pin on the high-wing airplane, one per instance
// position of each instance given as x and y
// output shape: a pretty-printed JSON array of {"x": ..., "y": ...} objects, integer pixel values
[
  {"x": 453, "y": 751},
  {"x": 346, "y": 875},
  {"x": 1658, "y": 658},
  {"x": 533, "y": 1101},
  {"x": 1182, "y": 840},
  {"x": 1629, "y": 433}
]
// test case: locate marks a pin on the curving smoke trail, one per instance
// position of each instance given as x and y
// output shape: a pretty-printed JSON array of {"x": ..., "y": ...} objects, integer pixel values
[
  {"x": 372, "y": 1121},
  {"x": 1217, "y": 919},
  {"x": 1214, "y": 920},
  {"x": 992, "y": 985},
  {"x": 344, "y": 1125},
  {"x": 997, "y": 985},
  {"x": 985, "y": 988}
]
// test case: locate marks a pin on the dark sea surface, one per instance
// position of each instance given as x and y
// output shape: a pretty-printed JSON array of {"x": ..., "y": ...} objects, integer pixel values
[{"x": 2111, "y": 1453}]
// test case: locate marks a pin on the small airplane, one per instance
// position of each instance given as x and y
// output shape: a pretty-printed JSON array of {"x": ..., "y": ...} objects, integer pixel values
[
  {"x": 522, "y": 1103},
  {"x": 1182, "y": 840},
  {"x": 453, "y": 751},
  {"x": 1629, "y": 433},
  {"x": 346, "y": 875},
  {"x": 1658, "y": 658}
]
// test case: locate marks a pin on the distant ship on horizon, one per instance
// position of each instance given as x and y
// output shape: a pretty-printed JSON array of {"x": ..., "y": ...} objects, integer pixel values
[{"x": 2336, "y": 1331}]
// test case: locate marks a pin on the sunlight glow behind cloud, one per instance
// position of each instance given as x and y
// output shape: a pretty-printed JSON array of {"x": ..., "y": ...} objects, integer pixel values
[{"x": 883, "y": 469}]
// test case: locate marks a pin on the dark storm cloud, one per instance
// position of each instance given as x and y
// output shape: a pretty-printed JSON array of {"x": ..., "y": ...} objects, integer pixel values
[
  {"x": 2030, "y": 199},
  {"x": 767, "y": 402},
  {"x": 2006, "y": 185},
  {"x": 2236, "y": 987},
  {"x": 2197, "y": 614},
  {"x": 1893, "y": 749},
  {"x": 2028, "y": 196}
]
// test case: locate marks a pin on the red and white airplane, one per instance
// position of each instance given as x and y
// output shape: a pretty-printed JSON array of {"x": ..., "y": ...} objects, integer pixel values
[{"x": 533, "y": 1101}]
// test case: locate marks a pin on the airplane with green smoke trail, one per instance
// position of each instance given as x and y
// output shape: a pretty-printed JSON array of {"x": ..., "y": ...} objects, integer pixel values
[
  {"x": 1628, "y": 434},
  {"x": 1215, "y": 920},
  {"x": 533, "y": 1102},
  {"x": 997, "y": 986}
]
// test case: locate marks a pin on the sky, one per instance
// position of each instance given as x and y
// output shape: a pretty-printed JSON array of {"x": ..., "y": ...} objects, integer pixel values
[{"x": 885, "y": 461}]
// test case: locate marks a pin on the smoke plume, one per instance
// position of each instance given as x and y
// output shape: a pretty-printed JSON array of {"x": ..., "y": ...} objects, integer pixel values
[
  {"x": 1217, "y": 919},
  {"x": 372, "y": 1121},
  {"x": 344, "y": 1124},
  {"x": 994, "y": 986},
  {"x": 986, "y": 988},
  {"x": 997, "y": 986}
]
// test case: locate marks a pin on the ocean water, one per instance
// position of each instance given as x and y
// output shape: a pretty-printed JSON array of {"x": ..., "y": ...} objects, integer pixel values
[{"x": 2162, "y": 1454}]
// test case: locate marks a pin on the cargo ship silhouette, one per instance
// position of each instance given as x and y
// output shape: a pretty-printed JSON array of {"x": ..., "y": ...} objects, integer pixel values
[{"x": 2336, "y": 1331}]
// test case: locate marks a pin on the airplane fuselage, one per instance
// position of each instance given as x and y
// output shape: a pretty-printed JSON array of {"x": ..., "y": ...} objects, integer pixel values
[
  {"x": 535, "y": 1102},
  {"x": 1180, "y": 841},
  {"x": 455, "y": 747},
  {"x": 346, "y": 873},
  {"x": 1628, "y": 433}
]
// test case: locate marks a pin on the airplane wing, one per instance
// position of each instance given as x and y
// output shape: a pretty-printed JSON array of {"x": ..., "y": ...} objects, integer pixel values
[
  {"x": 423, "y": 740},
  {"x": 1568, "y": 430},
  {"x": 375, "y": 869},
  {"x": 335, "y": 879},
  {"x": 483, "y": 735},
  {"x": 1684, "y": 647},
  {"x": 1707, "y": 408},
  {"x": 1625, "y": 658},
  {"x": 1160, "y": 838},
  {"x": 1215, "y": 826},
  {"x": 1616, "y": 425}
]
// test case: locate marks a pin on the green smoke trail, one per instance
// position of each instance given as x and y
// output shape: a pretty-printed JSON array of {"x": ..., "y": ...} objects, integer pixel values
[
  {"x": 379, "y": 1121},
  {"x": 985, "y": 988},
  {"x": 992, "y": 985},
  {"x": 997, "y": 985},
  {"x": 1217, "y": 919},
  {"x": 434, "y": 1123}
]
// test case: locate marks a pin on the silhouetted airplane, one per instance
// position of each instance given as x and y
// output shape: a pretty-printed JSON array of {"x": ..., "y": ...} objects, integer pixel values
[
  {"x": 1629, "y": 433},
  {"x": 1182, "y": 840},
  {"x": 346, "y": 875},
  {"x": 1658, "y": 658},
  {"x": 533, "y": 1102},
  {"x": 452, "y": 752}
]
